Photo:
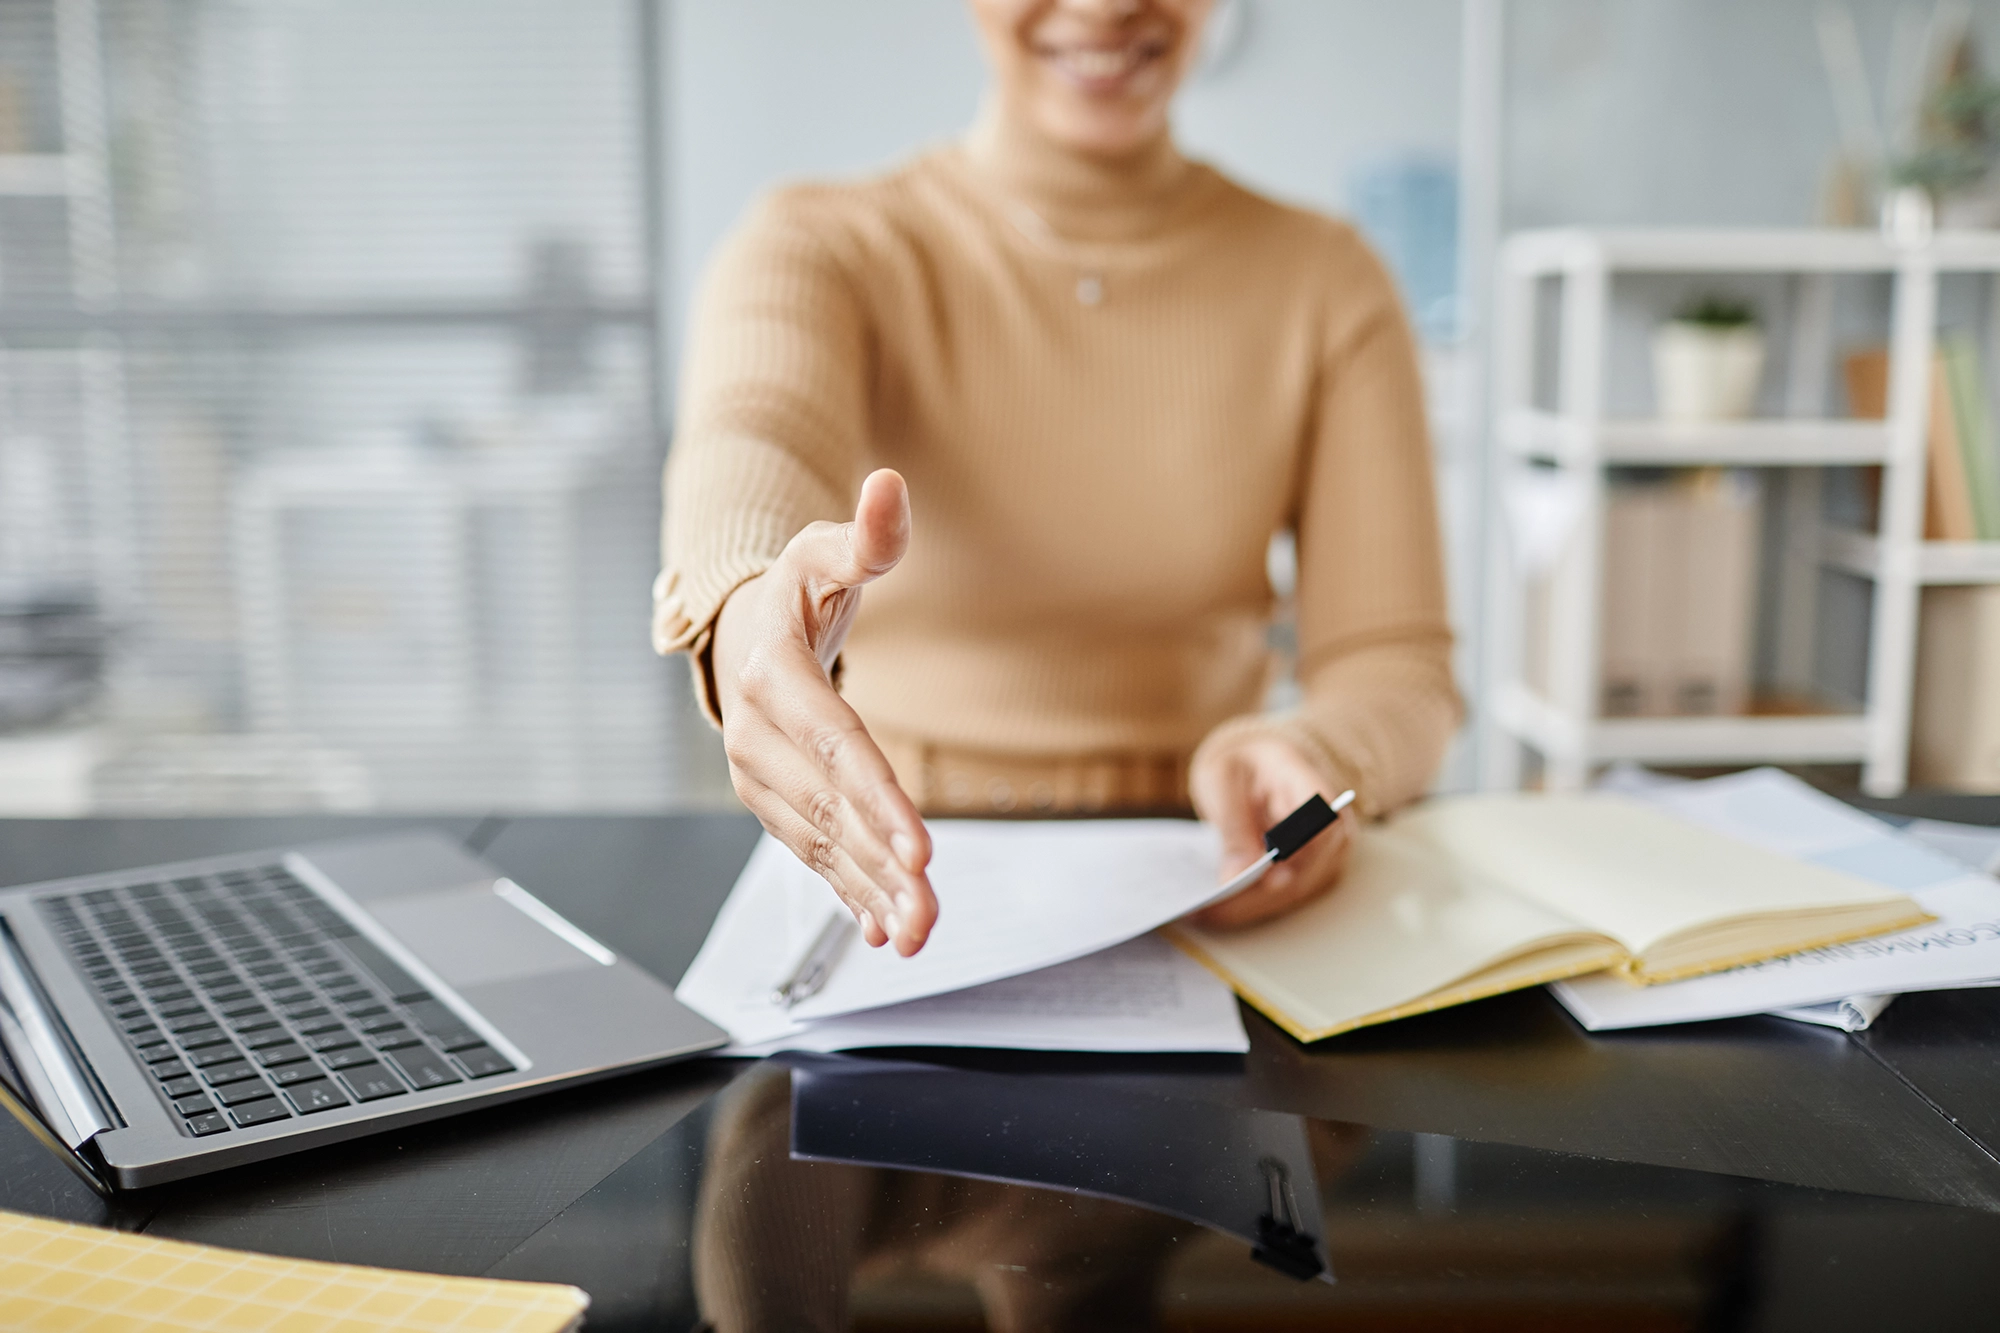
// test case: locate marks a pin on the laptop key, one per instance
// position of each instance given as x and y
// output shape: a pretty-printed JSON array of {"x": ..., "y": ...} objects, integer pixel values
[
  {"x": 184, "y": 1007},
  {"x": 287, "y": 1054},
  {"x": 394, "y": 1039},
  {"x": 271, "y": 1036},
  {"x": 483, "y": 1062},
  {"x": 190, "y": 1022},
  {"x": 195, "y": 1105},
  {"x": 200, "y": 1038},
  {"x": 220, "y": 1074},
  {"x": 169, "y": 1069},
  {"x": 256, "y": 1021},
  {"x": 259, "y": 1113},
  {"x": 210, "y": 1056},
  {"x": 245, "y": 1090},
  {"x": 247, "y": 1007},
  {"x": 371, "y": 1082},
  {"x": 351, "y": 1058},
  {"x": 331, "y": 1041},
  {"x": 318, "y": 1095},
  {"x": 464, "y": 1039},
  {"x": 202, "y": 1125},
  {"x": 181, "y": 1087},
  {"x": 286, "y": 1075},
  {"x": 423, "y": 1067}
]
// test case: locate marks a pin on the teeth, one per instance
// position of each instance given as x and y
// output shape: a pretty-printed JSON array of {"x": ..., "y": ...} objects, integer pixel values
[{"x": 1097, "y": 64}]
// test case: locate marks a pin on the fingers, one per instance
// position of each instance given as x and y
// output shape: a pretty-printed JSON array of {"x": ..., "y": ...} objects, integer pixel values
[
  {"x": 1224, "y": 794},
  {"x": 829, "y": 733},
  {"x": 805, "y": 764},
  {"x": 1243, "y": 790},
  {"x": 832, "y": 556},
  {"x": 1287, "y": 885},
  {"x": 881, "y": 529},
  {"x": 824, "y": 857}
]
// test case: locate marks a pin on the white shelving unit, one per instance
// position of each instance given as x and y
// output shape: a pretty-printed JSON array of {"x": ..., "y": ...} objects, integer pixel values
[{"x": 1561, "y": 721}]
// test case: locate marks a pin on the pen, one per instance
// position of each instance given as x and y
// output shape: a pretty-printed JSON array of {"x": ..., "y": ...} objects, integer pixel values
[
  {"x": 1287, "y": 836},
  {"x": 816, "y": 964}
]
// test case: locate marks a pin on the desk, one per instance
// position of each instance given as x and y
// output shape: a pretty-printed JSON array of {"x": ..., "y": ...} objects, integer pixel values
[{"x": 1910, "y": 1110}]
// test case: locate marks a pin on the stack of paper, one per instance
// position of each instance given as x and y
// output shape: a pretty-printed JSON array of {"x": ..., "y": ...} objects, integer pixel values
[
  {"x": 1775, "y": 811},
  {"x": 1046, "y": 931},
  {"x": 1042, "y": 942}
]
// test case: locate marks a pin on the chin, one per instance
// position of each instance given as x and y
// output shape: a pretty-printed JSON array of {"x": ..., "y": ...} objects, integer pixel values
[{"x": 1099, "y": 131}]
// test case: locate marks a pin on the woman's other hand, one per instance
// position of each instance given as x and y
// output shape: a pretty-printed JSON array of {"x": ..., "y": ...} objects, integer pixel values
[
  {"x": 798, "y": 755},
  {"x": 1243, "y": 788}
]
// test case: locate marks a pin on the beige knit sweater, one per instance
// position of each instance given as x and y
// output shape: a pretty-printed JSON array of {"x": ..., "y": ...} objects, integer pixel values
[{"x": 1108, "y": 385}]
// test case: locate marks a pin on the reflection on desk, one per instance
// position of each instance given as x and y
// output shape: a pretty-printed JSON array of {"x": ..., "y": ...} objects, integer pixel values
[{"x": 721, "y": 1224}]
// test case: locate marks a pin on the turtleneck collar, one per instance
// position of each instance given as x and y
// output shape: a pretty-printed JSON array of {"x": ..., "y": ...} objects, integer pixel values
[{"x": 1081, "y": 198}]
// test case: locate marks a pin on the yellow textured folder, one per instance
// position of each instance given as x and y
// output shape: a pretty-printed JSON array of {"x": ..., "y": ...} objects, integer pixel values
[
  {"x": 1469, "y": 896},
  {"x": 60, "y": 1276}
]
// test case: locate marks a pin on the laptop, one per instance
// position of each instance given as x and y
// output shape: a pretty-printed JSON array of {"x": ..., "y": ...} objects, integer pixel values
[{"x": 160, "y": 1023}]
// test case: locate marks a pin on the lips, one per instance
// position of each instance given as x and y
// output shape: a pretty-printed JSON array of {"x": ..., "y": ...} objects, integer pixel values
[{"x": 1101, "y": 68}]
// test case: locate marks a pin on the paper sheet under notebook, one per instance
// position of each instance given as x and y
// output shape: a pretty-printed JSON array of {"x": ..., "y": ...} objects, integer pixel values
[
  {"x": 1778, "y": 812},
  {"x": 1142, "y": 995},
  {"x": 1012, "y": 898}
]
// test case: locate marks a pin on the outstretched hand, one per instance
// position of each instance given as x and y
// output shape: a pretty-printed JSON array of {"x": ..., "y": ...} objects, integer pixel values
[
  {"x": 1243, "y": 788},
  {"x": 798, "y": 755}
]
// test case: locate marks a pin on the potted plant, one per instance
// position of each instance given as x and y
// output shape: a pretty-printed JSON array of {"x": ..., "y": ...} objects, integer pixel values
[{"x": 1708, "y": 361}]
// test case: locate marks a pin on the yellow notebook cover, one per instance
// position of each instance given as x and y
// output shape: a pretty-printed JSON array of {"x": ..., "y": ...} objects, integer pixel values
[{"x": 61, "y": 1276}]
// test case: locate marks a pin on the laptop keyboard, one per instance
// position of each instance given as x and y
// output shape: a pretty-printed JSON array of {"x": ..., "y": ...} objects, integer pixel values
[{"x": 251, "y": 1001}]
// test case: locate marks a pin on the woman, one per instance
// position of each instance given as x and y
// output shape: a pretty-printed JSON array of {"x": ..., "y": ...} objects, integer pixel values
[{"x": 1065, "y": 385}]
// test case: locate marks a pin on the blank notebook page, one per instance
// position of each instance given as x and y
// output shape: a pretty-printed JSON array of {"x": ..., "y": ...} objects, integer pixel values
[{"x": 61, "y": 1276}]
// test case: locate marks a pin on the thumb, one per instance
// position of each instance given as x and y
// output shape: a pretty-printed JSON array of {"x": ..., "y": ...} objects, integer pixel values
[
  {"x": 880, "y": 532},
  {"x": 832, "y": 556},
  {"x": 1223, "y": 796}
]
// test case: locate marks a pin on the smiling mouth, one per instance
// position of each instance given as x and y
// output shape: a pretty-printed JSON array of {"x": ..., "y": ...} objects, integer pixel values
[{"x": 1102, "y": 68}]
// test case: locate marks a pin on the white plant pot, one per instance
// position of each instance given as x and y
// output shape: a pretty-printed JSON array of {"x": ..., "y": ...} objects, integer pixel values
[{"x": 1704, "y": 373}]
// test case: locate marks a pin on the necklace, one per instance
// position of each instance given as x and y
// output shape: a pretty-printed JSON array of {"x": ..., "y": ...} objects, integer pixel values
[{"x": 1089, "y": 280}]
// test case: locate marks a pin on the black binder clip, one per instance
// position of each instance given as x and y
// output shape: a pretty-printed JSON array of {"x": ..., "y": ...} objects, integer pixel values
[{"x": 1283, "y": 1242}]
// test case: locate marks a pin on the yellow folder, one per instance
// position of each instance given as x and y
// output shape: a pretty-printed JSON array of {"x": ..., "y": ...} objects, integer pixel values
[{"x": 61, "y": 1276}]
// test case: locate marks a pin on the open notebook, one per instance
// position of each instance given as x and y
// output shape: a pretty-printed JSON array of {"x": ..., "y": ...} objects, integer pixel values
[{"x": 1466, "y": 897}]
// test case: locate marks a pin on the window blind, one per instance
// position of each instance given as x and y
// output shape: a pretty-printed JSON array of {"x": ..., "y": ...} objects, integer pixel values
[{"x": 328, "y": 431}]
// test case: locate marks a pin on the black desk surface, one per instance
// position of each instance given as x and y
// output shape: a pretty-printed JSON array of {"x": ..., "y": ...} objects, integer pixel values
[{"x": 1909, "y": 1110}]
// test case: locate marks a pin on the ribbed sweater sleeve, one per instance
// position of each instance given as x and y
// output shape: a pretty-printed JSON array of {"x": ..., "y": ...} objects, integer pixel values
[
  {"x": 1374, "y": 643},
  {"x": 772, "y": 424}
]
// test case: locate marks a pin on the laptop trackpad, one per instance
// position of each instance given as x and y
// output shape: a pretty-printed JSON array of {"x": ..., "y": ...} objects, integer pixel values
[{"x": 470, "y": 936}]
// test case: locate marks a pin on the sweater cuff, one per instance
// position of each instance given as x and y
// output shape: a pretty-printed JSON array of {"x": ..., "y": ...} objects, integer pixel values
[
  {"x": 1337, "y": 773},
  {"x": 685, "y": 622}
]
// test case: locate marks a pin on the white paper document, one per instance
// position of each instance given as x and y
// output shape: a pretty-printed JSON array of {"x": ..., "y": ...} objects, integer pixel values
[
  {"x": 1776, "y": 811},
  {"x": 1852, "y": 1014},
  {"x": 1142, "y": 995},
  {"x": 1975, "y": 844},
  {"x": 1012, "y": 899}
]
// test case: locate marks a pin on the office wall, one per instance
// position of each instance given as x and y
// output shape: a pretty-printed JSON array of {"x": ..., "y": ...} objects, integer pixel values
[
  {"x": 765, "y": 90},
  {"x": 1618, "y": 112},
  {"x": 1681, "y": 112}
]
